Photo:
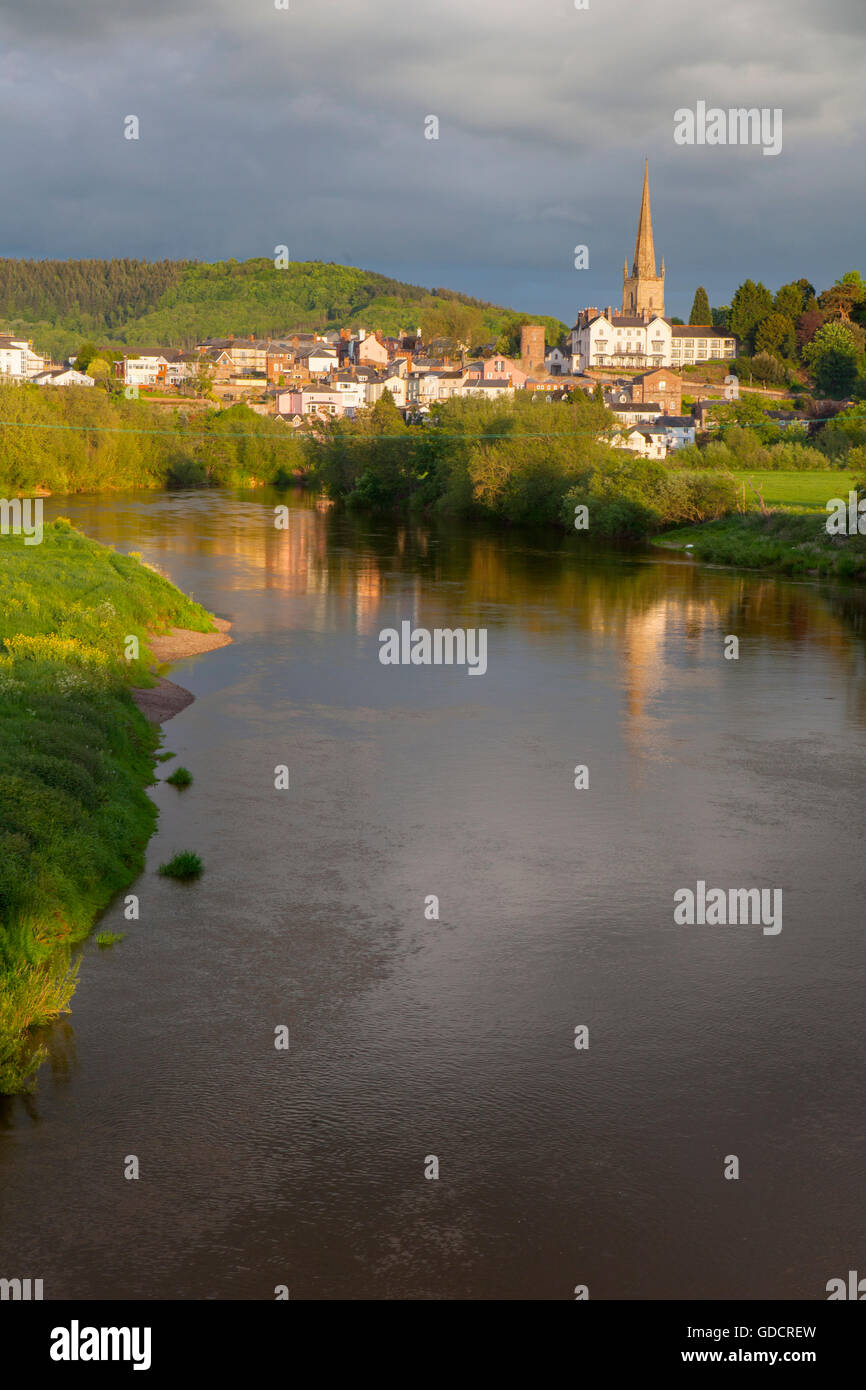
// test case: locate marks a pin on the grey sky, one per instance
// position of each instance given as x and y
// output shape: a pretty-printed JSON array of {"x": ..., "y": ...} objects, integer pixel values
[{"x": 262, "y": 126}]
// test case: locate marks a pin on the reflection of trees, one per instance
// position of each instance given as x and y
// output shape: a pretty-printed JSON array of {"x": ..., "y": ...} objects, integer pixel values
[{"x": 473, "y": 573}]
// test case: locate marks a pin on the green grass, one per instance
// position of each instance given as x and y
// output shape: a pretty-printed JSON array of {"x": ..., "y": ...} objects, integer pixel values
[
  {"x": 181, "y": 777},
  {"x": 109, "y": 938},
  {"x": 164, "y": 757},
  {"x": 183, "y": 866},
  {"x": 76, "y": 756},
  {"x": 791, "y": 538},
  {"x": 789, "y": 543},
  {"x": 796, "y": 491}
]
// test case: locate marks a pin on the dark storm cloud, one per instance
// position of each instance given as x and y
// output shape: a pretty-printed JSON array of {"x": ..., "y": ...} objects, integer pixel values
[{"x": 261, "y": 127}]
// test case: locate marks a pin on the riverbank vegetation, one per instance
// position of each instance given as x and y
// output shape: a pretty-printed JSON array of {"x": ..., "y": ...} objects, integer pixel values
[
  {"x": 183, "y": 866},
  {"x": 76, "y": 756},
  {"x": 86, "y": 440},
  {"x": 791, "y": 544},
  {"x": 754, "y": 491}
]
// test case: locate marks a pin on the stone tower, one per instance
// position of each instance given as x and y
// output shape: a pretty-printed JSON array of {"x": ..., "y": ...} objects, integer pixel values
[
  {"x": 532, "y": 347},
  {"x": 643, "y": 292}
]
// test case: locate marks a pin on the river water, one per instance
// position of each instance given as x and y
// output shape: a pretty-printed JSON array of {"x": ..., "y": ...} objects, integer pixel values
[{"x": 412, "y": 1038}]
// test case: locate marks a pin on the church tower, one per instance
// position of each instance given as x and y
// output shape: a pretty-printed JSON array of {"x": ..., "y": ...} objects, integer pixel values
[{"x": 643, "y": 292}]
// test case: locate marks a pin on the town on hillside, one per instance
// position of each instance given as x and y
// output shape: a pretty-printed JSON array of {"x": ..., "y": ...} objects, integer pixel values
[{"x": 632, "y": 358}]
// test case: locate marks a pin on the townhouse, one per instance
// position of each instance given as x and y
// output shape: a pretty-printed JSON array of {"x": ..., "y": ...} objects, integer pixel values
[
  {"x": 155, "y": 367},
  {"x": 18, "y": 361}
]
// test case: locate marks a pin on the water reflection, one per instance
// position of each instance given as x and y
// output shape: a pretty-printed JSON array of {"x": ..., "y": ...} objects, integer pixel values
[{"x": 455, "y": 1037}]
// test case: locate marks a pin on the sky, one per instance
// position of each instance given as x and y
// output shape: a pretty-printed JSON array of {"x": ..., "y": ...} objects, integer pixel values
[{"x": 305, "y": 126}]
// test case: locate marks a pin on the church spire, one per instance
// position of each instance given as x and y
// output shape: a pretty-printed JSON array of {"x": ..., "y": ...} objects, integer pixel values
[
  {"x": 643, "y": 292},
  {"x": 644, "y": 251}
]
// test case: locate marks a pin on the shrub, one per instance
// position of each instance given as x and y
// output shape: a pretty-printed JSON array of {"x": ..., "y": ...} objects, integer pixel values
[{"x": 184, "y": 866}]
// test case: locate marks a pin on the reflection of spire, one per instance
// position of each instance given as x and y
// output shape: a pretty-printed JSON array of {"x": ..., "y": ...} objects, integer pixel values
[{"x": 644, "y": 251}]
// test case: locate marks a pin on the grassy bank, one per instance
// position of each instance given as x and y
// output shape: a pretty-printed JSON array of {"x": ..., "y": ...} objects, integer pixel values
[
  {"x": 75, "y": 759},
  {"x": 790, "y": 543}
]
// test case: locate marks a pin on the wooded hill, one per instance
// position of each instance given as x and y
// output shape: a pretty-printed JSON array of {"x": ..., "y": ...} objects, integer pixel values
[{"x": 173, "y": 303}]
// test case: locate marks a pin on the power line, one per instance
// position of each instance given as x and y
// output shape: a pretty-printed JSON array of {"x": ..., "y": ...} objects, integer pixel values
[{"x": 180, "y": 432}]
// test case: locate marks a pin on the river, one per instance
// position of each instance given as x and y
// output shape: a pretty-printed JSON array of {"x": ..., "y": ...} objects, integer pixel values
[{"x": 413, "y": 1038}]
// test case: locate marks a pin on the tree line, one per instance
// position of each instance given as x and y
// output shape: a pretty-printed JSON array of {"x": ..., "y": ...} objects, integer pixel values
[{"x": 797, "y": 329}]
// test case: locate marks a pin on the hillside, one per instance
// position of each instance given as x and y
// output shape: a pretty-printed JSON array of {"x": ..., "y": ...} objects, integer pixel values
[{"x": 173, "y": 303}]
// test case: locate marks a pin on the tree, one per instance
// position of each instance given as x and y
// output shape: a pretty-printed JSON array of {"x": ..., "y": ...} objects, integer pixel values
[
  {"x": 751, "y": 304},
  {"x": 700, "y": 307},
  {"x": 747, "y": 414},
  {"x": 767, "y": 368},
  {"x": 789, "y": 301},
  {"x": 837, "y": 302},
  {"x": 452, "y": 322},
  {"x": 385, "y": 417},
  {"x": 832, "y": 357},
  {"x": 855, "y": 279},
  {"x": 722, "y": 317},
  {"x": 202, "y": 382},
  {"x": 808, "y": 291},
  {"x": 86, "y": 354},
  {"x": 99, "y": 369},
  {"x": 776, "y": 335},
  {"x": 807, "y": 326}
]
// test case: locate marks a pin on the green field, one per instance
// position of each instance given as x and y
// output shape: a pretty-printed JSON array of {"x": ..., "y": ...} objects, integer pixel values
[{"x": 800, "y": 492}]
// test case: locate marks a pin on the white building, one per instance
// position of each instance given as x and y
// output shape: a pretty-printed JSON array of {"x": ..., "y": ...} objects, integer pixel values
[
  {"x": 488, "y": 388},
  {"x": 649, "y": 442},
  {"x": 18, "y": 361},
  {"x": 700, "y": 344},
  {"x": 423, "y": 388},
  {"x": 392, "y": 381},
  {"x": 679, "y": 429},
  {"x": 633, "y": 413},
  {"x": 353, "y": 393},
  {"x": 313, "y": 400},
  {"x": 617, "y": 340},
  {"x": 65, "y": 376},
  {"x": 318, "y": 360},
  {"x": 144, "y": 370},
  {"x": 561, "y": 361}
]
